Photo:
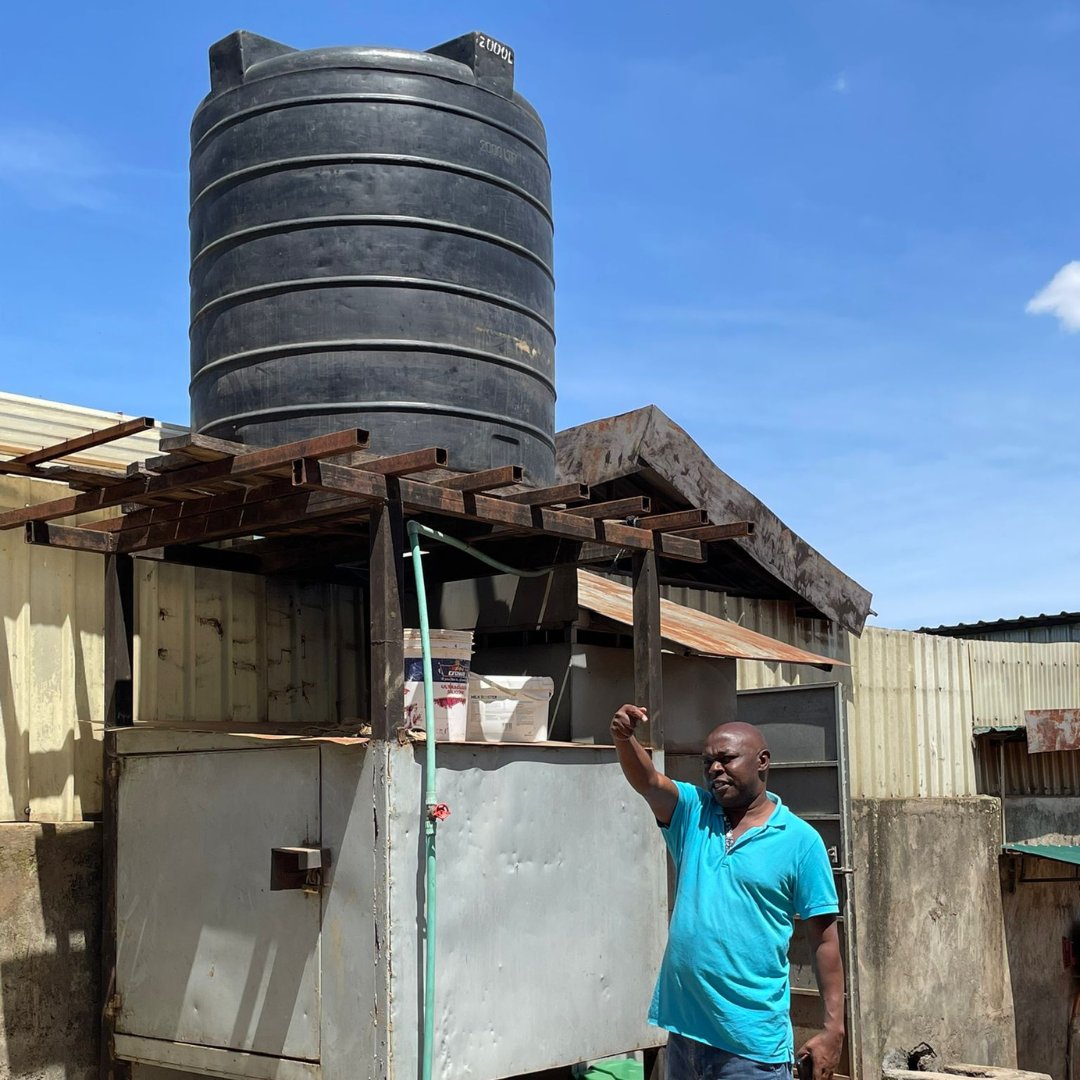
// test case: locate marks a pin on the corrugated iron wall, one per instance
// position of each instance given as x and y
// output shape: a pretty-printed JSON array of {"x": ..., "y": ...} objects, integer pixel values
[
  {"x": 209, "y": 645},
  {"x": 1009, "y": 677},
  {"x": 913, "y": 700}
]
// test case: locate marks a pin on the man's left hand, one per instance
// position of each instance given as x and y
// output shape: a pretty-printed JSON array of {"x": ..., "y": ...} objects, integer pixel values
[{"x": 824, "y": 1051}]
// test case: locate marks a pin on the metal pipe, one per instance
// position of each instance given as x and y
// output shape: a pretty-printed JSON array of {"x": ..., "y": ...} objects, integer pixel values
[
  {"x": 415, "y": 531},
  {"x": 429, "y": 805}
]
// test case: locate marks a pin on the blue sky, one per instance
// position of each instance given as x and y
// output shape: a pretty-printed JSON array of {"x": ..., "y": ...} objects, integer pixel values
[{"x": 809, "y": 231}]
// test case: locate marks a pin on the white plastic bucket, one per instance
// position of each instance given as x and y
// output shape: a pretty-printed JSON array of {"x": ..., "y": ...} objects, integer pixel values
[
  {"x": 509, "y": 708},
  {"x": 451, "y": 651}
]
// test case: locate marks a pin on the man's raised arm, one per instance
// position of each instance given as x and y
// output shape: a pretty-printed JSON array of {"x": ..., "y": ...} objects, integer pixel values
[{"x": 656, "y": 789}]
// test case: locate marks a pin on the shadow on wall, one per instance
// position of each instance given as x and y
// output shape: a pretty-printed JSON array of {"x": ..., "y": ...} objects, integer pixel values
[{"x": 50, "y": 907}]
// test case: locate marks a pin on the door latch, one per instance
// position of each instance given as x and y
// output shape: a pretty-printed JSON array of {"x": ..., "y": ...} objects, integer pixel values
[{"x": 298, "y": 868}]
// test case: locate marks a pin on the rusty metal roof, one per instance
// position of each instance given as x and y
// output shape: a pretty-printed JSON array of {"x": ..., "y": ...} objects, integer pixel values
[
  {"x": 706, "y": 635},
  {"x": 644, "y": 452}
]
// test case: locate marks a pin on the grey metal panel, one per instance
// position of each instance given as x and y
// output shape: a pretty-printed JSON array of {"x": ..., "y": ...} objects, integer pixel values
[
  {"x": 504, "y": 601},
  {"x": 699, "y": 693},
  {"x": 206, "y": 953},
  {"x": 798, "y": 724},
  {"x": 552, "y": 910},
  {"x": 348, "y": 980},
  {"x": 808, "y": 792}
]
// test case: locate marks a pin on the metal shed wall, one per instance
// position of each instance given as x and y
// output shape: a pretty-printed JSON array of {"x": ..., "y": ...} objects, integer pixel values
[{"x": 209, "y": 645}]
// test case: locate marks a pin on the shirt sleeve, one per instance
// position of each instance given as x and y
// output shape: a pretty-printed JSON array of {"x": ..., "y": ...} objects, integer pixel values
[
  {"x": 686, "y": 816},
  {"x": 815, "y": 888}
]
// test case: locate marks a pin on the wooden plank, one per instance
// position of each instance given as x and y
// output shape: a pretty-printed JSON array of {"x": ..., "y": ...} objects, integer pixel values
[
  {"x": 648, "y": 674},
  {"x": 384, "y": 596},
  {"x": 678, "y": 519},
  {"x": 551, "y": 496},
  {"x": 119, "y": 651},
  {"x": 278, "y": 458},
  {"x": 85, "y": 442},
  {"x": 708, "y": 533},
  {"x": 62, "y": 536},
  {"x": 616, "y": 508},
  {"x": 485, "y": 480}
]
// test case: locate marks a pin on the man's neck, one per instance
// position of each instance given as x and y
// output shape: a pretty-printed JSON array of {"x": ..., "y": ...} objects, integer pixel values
[{"x": 754, "y": 813}]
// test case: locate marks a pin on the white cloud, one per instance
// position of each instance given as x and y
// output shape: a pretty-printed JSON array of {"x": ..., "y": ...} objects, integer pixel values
[
  {"x": 840, "y": 83},
  {"x": 1060, "y": 298}
]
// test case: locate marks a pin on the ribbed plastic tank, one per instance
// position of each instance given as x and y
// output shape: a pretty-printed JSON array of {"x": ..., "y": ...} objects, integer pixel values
[{"x": 371, "y": 246}]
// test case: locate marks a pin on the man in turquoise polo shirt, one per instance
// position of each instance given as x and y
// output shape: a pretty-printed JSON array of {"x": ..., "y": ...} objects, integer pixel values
[{"x": 745, "y": 867}]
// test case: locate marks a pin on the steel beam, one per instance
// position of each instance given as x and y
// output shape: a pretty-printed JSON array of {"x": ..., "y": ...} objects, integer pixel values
[
  {"x": 85, "y": 442},
  {"x": 136, "y": 490}
]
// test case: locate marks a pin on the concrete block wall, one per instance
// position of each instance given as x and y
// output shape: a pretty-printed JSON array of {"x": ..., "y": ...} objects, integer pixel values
[
  {"x": 932, "y": 959},
  {"x": 50, "y": 917}
]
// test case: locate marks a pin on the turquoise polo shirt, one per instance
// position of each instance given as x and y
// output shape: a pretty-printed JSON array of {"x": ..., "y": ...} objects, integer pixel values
[{"x": 725, "y": 979}]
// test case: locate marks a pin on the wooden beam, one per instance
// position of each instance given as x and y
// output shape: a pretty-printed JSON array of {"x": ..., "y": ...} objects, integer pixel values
[
  {"x": 648, "y": 673},
  {"x": 551, "y": 496},
  {"x": 84, "y": 442},
  {"x": 678, "y": 519},
  {"x": 278, "y": 458},
  {"x": 384, "y": 596},
  {"x": 119, "y": 651},
  {"x": 62, "y": 536},
  {"x": 485, "y": 480},
  {"x": 616, "y": 508},
  {"x": 709, "y": 533}
]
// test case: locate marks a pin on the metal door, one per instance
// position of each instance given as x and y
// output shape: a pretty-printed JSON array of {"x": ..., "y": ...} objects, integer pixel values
[{"x": 206, "y": 953}]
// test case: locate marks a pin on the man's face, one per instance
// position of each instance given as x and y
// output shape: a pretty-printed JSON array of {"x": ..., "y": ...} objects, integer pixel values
[{"x": 733, "y": 769}]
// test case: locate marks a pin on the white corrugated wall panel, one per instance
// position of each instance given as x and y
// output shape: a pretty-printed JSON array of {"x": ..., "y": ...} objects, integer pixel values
[
  {"x": 909, "y": 728},
  {"x": 1010, "y": 677},
  {"x": 236, "y": 647},
  {"x": 51, "y": 698}
]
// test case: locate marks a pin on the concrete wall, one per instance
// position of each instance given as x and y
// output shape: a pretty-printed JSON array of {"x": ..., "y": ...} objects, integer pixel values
[
  {"x": 932, "y": 959},
  {"x": 50, "y": 912}
]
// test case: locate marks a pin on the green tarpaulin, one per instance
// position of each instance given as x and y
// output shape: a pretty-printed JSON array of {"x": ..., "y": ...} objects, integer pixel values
[{"x": 1056, "y": 852}]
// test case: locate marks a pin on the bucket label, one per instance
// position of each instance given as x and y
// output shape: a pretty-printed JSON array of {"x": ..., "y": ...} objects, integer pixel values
[{"x": 443, "y": 669}]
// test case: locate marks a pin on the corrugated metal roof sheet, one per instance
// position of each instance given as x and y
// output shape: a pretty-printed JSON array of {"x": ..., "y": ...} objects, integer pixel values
[
  {"x": 1022, "y": 623},
  {"x": 30, "y": 423},
  {"x": 704, "y": 634}
]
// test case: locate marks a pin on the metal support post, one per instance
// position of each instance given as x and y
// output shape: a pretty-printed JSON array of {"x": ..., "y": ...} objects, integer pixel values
[
  {"x": 119, "y": 712},
  {"x": 385, "y": 594},
  {"x": 648, "y": 675}
]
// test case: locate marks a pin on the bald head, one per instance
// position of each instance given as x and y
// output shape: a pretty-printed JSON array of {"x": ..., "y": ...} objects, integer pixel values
[
  {"x": 736, "y": 763},
  {"x": 745, "y": 735}
]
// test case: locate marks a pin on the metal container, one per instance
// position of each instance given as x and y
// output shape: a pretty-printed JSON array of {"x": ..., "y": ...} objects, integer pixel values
[
  {"x": 549, "y": 937},
  {"x": 371, "y": 246}
]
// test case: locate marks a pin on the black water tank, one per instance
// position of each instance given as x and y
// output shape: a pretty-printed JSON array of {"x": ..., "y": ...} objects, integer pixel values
[{"x": 371, "y": 246}]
